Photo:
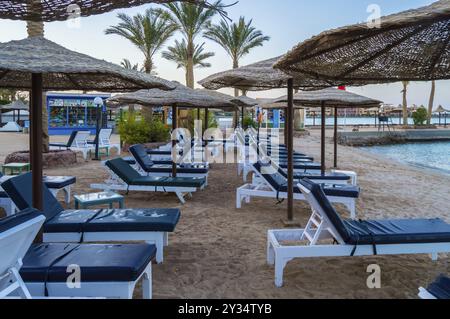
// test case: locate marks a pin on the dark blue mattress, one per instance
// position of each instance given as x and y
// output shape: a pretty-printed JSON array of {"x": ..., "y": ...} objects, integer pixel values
[
  {"x": 17, "y": 219},
  {"x": 304, "y": 166},
  {"x": 115, "y": 220},
  {"x": 440, "y": 288},
  {"x": 98, "y": 263},
  {"x": 58, "y": 182}
]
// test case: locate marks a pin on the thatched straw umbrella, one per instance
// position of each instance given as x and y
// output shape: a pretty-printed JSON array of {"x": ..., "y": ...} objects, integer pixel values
[
  {"x": 409, "y": 46},
  {"x": 59, "y": 10},
  {"x": 17, "y": 105},
  {"x": 241, "y": 101},
  {"x": 37, "y": 64},
  {"x": 333, "y": 98},
  {"x": 441, "y": 110},
  {"x": 180, "y": 97},
  {"x": 262, "y": 76}
]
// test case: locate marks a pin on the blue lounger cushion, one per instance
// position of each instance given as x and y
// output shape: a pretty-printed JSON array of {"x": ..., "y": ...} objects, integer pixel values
[
  {"x": 10, "y": 222},
  {"x": 98, "y": 263},
  {"x": 302, "y": 165},
  {"x": 373, "y": 232},
  {"x": 143, "y": 160},
  {"x": 59, "y": 220},
  {"x": 440, "y": 288},
  {"x": 58, "y": 182},
  {"x": 130, "y": 176},
  {"x": 279, "y": 183},
  {"x": 114, "y": 220},
  {"x": 3, "y": 194}
]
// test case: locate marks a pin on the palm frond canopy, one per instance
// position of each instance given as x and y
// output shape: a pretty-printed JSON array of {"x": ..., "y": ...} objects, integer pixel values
[
  {"x": 409, "y": 46},
  {"x": 181, "y": 96},
  {"x": 332, "y": 98},
  {"x": 178, "y": 53},
  {"x": 241, "y": 101},
  {"x": 64, "y": 69},
  {"x": 60, "y": 10},
  {"x": 259, "y": 76},
  {"x": 17, "y": 105}
]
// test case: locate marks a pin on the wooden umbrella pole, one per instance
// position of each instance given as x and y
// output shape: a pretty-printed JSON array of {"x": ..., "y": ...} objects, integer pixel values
[
  {"x": 242, "y": 116},
  {"x": 335, "y": 136},
  {"x": 322, "y": 138},
  {"x": 174, "y": 142},
  {"x": 290, "y": 149},
  {"x": 206, "y": 125}
]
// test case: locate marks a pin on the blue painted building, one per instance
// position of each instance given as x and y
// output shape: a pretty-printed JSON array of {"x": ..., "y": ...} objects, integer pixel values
[{"x": 68, "y": 112}]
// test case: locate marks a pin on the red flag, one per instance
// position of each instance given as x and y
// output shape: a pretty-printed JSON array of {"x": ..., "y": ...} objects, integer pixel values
[{"x": 342, "y": 88}]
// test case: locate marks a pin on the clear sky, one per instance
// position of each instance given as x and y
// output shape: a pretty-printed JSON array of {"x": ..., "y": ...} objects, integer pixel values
[{"x": 287, "y": 22}]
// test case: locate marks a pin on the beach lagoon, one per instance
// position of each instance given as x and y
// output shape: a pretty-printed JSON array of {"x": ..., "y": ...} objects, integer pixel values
[{"x": 432, "y": 155}]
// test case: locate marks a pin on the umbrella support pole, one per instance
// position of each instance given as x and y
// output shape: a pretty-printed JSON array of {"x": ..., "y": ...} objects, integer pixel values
[
  {"x": 335, "y": 136},
  {"x": 322, "y": 137}
]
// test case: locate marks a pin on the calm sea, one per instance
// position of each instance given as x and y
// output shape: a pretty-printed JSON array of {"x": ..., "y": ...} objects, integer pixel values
[{"x": 434, "y": 155}]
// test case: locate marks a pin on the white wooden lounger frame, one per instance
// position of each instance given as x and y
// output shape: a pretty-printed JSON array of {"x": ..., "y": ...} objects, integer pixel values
[
  {"x": 319, "y": 228},
  {"x": 115, "y": 183},
  {"x": 262, "y": 188},
  {"x": 14, "y": 244}
]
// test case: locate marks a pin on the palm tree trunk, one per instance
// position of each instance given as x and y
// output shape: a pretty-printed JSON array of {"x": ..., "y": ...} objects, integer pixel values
[
  {"x": 36, "y": 29},
  {"x": 405, "y": 104},
  {"x": 431, "y": 102},
  {"x": 147, "y": 112},
  {"x": 235, "y": 66},
  {"x": 190, "y": 64}
]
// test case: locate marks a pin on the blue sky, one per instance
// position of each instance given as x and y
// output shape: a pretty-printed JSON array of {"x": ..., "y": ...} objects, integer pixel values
[{"x": 287, "y": 22}]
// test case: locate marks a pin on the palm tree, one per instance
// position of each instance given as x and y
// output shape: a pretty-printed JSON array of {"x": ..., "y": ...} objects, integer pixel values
[
  {"x": 237, "y": 39},
  {"x": 191, "y": 20},
  {"x": 405, "y": 102},
  {"x": 431, "y": 102},
  {"x": 148, "y": 32},
  {"x": 179, "y": 54},
  {"x": 125, "y": 63}
]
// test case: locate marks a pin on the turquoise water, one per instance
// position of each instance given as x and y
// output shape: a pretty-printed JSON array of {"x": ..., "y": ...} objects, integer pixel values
[{"x": 435, "y": 155}]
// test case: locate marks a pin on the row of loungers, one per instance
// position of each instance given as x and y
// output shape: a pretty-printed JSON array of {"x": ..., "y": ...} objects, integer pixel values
[{"x": 44, "y": 269}]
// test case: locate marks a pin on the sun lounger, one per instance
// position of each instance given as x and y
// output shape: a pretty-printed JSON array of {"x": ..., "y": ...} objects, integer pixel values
[
  {"x": 104, "y": 137},
  {"x": 439, "y": 289},
  {"x": 43, "y": 270},
  {"x": 101, "y": 225},
  {"x": 54, "y": 183},
  {"x": 269, "y": 183},
  {"x": 77, "y": 143},
  {"x": 126, "y": 178},
  {"x": 146, "y": 166},
  {"x": 352, "y": 238}
]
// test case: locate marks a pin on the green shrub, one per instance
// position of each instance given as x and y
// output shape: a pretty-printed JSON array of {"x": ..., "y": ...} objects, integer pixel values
[
  {"x": 249, "y": 122},
  {"x": 133, "y": 131},
  {"x": 420, "y": 116}
]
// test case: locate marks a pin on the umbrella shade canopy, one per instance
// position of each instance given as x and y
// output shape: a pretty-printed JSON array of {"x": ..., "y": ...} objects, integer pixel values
[
  {"x": 238, "y": 101},
  {"x": 409, "y": 46},
  {"x": 258, "y": 76},
  {"x": 181, "y": 96},
  {"x": 59, "y": 10},
  {"x": 272, "y": 104},
  {"x": 332, "y": 98},
  {"x": 440, "y": 109},
  {"x": 16, "y": 105},
  {"x": 64, "y": 69}
]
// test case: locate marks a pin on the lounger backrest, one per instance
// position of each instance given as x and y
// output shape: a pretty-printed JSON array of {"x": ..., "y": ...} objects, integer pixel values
[
  {"x": 72, "y": 138},
  {"x": 140, "y": 155},
  {"x": 319, "y": 202},
  {"x": 104, "y": 136},
  {"x": 122, "y": 169},
  {"x": 271, "y": 175},
  {"x": 81, "y": 139},
  {"x": 20, "y": 191},
  {"x": 17, "y": 233}
]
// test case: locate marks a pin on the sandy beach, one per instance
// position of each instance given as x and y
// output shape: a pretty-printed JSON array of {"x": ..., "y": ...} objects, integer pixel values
[{"x": 219, "y": 251}]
